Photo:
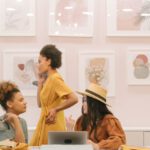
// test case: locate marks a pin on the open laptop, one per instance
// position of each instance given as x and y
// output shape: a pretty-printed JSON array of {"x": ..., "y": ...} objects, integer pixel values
[{"x": 67, "y": 137}]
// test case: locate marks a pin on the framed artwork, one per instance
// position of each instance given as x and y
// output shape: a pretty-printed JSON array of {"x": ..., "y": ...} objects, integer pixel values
[
  {"x": 20, "y": 66},
  {"x": 97, "y": 67},
  {"x": 17, "y": 17},
  {"x": 71, "y": 18},
  {"x": 128, "y": 17},
  {"x": 138, "y": 67}
]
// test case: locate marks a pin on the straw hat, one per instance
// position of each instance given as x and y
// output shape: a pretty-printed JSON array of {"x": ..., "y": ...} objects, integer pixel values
[{"x": 95, "y": 91}]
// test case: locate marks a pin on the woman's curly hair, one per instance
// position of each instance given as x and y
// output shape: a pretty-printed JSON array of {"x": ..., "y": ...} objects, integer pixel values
[
  {"x": 7, "y": 90},
  {"x": 51, "y": 52}
]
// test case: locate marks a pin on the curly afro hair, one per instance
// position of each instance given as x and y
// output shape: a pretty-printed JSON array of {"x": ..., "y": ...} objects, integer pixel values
[
  {"x": 52, "y": 53},
  {"x": 7, "y": 90}
]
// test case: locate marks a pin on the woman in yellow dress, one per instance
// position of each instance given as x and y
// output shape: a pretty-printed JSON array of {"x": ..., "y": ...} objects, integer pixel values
[{"x": 53, "y": 96}]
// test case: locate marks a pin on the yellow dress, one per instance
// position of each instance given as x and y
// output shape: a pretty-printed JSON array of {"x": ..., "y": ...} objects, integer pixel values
[{"x": 52, "y": 94}]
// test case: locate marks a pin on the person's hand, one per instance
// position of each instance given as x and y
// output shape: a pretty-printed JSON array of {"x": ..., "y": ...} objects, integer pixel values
[
  {"x": 11, "y": 118},
  {"x": 94, "y": 145},
  {"x": 41, "y": 78},
  {"x": 51, "y": 117},
  {"x": 70, "y": 123}
]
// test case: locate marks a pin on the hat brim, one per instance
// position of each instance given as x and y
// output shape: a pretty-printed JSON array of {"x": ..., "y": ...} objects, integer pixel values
[{"x": 90, "y": 95}]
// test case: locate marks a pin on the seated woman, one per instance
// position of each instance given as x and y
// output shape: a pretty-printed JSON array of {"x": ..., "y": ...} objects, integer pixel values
[
  {"x": 104, "y": 129},
  {"x": 11, "y": 125}
]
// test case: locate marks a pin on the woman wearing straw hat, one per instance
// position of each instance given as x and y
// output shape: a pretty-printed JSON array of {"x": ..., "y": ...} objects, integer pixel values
[{"x": 104, "y": 129}]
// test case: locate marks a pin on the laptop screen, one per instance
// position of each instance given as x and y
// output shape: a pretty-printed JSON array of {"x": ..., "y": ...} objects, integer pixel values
[{"x": 67, "y": 137}]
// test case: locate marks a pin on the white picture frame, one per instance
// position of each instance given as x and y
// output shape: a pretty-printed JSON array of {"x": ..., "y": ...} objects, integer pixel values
[
  {"x": 17, "y": 17},
  {"x": 128, "y": 18},
  {"x": 138, "y": 66},
  {"x": 71, "y": 18},
  {"x": 101, "y": 61},
  {"x": 20, "y": 66}
]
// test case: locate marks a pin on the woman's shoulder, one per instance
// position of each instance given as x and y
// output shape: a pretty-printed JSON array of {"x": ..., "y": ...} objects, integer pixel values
[
  {"x": 23, "y": 121},
  {"x": 54, "y": 79},
  {"x": 55, "y": 76},
  {"x": 110, "y": 120},
  {"x": 109, "y": 117}
]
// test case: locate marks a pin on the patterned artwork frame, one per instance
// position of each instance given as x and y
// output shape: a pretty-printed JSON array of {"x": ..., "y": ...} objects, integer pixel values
[
  {"x": 20, "y": 67},
  {"x": 71, "y": 18},
  {"x": 128, "y": 18},
  {"x": 138, "y": 66},
  {"x": 17, "y": 17},
  {"x": 102, "y": 65}
]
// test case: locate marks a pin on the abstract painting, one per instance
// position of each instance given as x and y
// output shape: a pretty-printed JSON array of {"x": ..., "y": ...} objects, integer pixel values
[
  {"x": 23, "y": 70},
  {"x": 139, "y": 67},
  {"x": 128, "y": 18},
  {"x": 17, "y": 17},
  {"x": 71, "y": 17},
  {"x": 99, "y": 68}
]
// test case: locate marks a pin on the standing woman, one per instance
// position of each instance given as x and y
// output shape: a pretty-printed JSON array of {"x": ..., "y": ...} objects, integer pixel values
[
  {"x": 104, "y": 129},
  {"x": 11, "y": 125},
  {"x": 53, "y": 96}
]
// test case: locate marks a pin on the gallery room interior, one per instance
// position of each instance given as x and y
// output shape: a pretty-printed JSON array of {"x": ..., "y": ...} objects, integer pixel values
[{"x": 111, "y": 35}]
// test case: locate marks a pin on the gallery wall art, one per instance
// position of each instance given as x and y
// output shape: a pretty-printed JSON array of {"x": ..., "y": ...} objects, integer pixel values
[
  {"x": 138, "y": 66},
  {"x": 17, "y": 17},
  {"x": 97, "y": 67},
  {"x": 21, "y": 68},
  {"x": 71, "y": 18},
  {"x": 128, "y": 18}
]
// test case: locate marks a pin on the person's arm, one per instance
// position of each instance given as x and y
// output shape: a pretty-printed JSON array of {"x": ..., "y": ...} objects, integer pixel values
[
  {"x": 71, "y": 99},
  {"x": 94, "y": 145},
  {"x": 70, "y": 123},
  {"x": 14, "y": 121},
  {"x": 41, "y": 80},
  {"x": 40, "y": 85},
  {"x": 116, "y": 135}
]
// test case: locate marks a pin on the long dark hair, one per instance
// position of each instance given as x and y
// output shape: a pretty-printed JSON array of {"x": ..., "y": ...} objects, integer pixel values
[{"x": 96, "y": 112}]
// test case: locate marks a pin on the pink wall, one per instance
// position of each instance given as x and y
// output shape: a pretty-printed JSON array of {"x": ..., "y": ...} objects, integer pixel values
[{"x": 131, "y": 103}]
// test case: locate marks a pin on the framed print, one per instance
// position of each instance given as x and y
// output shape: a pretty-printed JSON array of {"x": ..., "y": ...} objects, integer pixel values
[
  {"x": 71, "y": 18},
  {"x": 17, "y": 17},
  {"x": 138, "y": 67},
  {"x": 128, "y": 18},
  {"x": 97, "y": 67},
  {"x": 20, "y": 66}
]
